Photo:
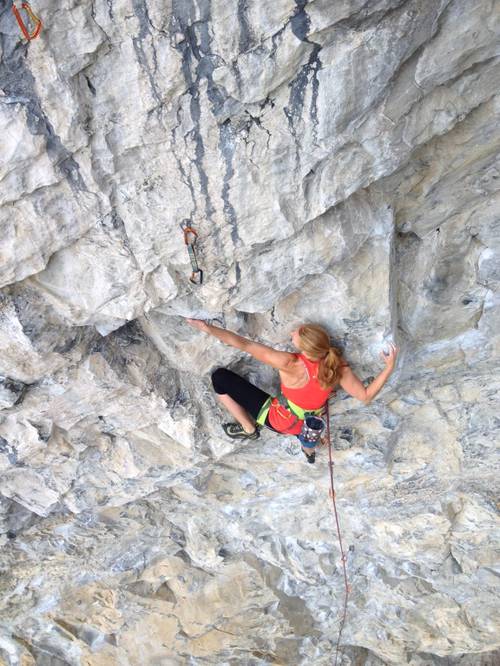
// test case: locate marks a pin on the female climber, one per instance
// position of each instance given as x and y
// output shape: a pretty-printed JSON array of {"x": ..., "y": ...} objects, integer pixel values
[{"x": 307, "y": 380}]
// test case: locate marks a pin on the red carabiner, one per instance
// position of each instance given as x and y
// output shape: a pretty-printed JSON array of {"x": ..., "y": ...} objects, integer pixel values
[
  {"x": 37, "y": 23},
  {"x": 187, "y": 231}
]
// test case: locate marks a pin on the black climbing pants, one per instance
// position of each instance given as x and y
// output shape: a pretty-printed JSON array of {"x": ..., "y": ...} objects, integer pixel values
[{"x": 247, "y": 395}]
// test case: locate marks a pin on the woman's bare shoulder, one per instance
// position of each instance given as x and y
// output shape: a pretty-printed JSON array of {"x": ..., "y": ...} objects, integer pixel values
[
  {"x": 295, "y": 369},
  {"x": 295, "y": 364}
]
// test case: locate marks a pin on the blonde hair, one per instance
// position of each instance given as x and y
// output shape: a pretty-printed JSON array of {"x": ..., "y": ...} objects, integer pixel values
[{"x": 315, "y": 342}]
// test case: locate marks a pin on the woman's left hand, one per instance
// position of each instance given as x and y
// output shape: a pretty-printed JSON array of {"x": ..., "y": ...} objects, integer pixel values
[
  {"x": 199, "y": 324},
  {"x": 389, "y": 358}
]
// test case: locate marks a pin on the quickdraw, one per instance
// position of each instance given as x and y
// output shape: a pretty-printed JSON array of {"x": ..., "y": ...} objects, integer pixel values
[
  {"x": 36, "y": 22},
  {"x": 339, "y": 536},
  {"x": 190, "y": 238}
]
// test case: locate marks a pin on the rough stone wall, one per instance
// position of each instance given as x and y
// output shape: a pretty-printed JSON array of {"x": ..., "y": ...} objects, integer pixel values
[{"x": 340, "y": 161}]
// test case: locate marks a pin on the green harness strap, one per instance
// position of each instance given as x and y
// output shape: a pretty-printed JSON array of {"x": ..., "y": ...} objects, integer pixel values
[{"x": 264, "y": 411}]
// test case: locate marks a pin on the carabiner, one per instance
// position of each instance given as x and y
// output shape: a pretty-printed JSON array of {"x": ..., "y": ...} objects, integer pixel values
[
  {"x": 37, "y": 23},
  {"x": 187, "y": 232},
  {"x": 196, "y": 276}
]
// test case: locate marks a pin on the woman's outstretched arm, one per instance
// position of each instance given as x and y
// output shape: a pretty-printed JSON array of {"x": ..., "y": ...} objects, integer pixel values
[
  {"x": 276, "y": 359},
  {"x": 354, "y": 386}
]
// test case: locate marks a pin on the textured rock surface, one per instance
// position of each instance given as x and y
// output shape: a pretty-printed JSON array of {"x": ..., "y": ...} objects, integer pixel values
[{"x": 340, "y": 162}]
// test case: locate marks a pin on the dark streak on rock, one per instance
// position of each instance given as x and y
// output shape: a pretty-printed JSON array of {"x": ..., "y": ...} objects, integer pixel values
[
  {"x": 300, "y": 24},
  {"x": 18, "y": 84},
  {"x": 17, "y": 388},
  {"x": 300, "y": 21},
  {"x": 115, "y": 222},
  {"x": 185, "y": 177},
  {"x": 90, "y": 85},
  {"x": 237, "y": 75},
  {"x": 183, "y": 22},
  {"x": 198, "y": 64},
  {"x": 245, "y": 39},
  {"x": 226, "y": 146},
  {"x": 8, "y": 450},
  {"x": 273, "y": 316},
  {"x": 142, "y": 14}
]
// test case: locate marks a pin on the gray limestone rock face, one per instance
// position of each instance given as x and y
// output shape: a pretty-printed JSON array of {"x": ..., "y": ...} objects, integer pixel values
[{"x": 340, "y": 164}]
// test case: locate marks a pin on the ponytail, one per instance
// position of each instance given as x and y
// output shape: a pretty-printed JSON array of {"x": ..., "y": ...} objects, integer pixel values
[
  {"x": 315, "y": 342},
  {"x": 329, "y": 368}
]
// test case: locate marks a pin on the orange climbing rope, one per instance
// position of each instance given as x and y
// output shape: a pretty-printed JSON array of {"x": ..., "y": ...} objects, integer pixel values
[
  {"x": 37, "y": 23},
  {"x": 343, "y": 556}
]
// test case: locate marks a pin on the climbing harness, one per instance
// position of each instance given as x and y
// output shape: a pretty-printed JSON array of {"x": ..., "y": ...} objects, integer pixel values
[
  {"x": 343, "y": 556},
  {"x": 36, "y": 22},
  {"x": 288, "y": 411},
  {"x": 190, "y": 238},
  {"x": 283, "y": 405}
]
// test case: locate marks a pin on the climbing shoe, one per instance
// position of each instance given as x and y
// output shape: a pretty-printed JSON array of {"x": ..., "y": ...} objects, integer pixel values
[
  {"x": 236, "y": 431},
  {"x": 311, "y": 457}
]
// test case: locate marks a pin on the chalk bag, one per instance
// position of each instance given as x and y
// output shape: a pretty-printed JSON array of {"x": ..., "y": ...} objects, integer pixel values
[{"x": 312, "y": 429}]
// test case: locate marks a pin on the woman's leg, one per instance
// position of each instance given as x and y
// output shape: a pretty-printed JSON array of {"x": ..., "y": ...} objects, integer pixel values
[
  {"x": 240, "y": 414},
  {"x": 242, "y": 399},
  {"x": 310, "y": 453}
]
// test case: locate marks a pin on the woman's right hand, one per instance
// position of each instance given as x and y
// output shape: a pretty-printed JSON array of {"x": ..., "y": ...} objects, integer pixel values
[
  {"x": 199, "y": 324},
  {"x": 390, "y": 357}
]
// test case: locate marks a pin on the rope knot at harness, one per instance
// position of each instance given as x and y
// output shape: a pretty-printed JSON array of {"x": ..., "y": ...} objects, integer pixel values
[{"x": 33, "y": 19}]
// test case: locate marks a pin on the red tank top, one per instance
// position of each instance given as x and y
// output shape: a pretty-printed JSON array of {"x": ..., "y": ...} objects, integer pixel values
[{"x": 311, "y": 396}]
